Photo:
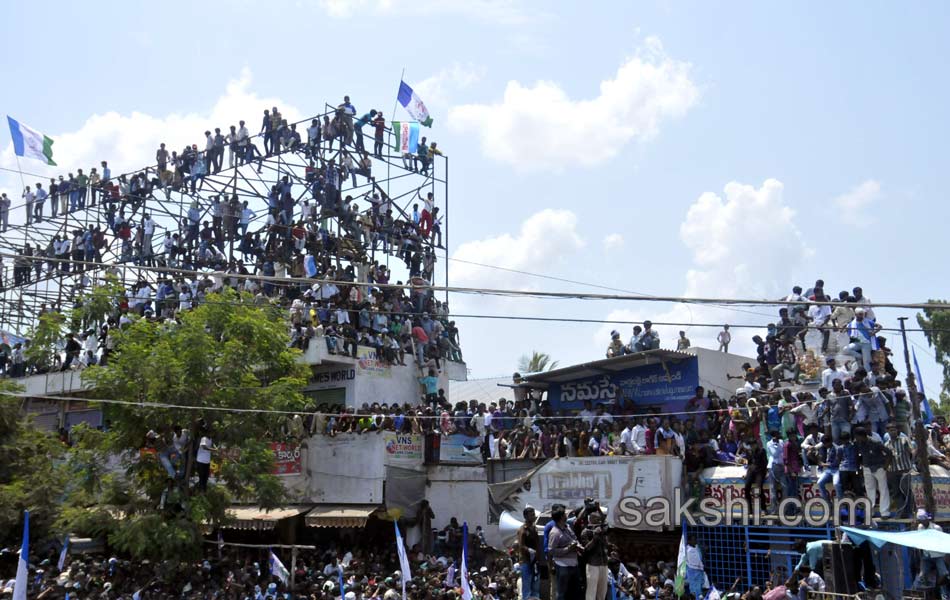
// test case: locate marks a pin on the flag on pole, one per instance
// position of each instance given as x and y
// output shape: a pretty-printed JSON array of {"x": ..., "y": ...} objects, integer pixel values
[
  {"x": 62, "y": 554},
  {"x": 23, "y": 565},
  {"x": 466, "y": 588},
  {"x": 277, "y": 568},
  {"x": 924, "y": 402},
  {"x": 342, "y": 586},
  {"x": 679, "y": 582},
  {"x": 413, "y": 104},
  {"x": 403, "y": 560},
  {"x": 30, "y": 143},
  {"x": 407, "y": 137}
]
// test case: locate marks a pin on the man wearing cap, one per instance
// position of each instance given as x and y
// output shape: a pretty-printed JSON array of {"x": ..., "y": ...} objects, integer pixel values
[
  {"x": 616, "y": 346},
  {"x": 650, "y": 339},
  {"x": 931, "y": 561},
  {"x": 863, "y": 333}
]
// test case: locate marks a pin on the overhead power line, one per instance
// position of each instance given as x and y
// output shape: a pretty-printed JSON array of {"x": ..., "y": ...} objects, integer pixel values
[{"x": 503, "y": 292}]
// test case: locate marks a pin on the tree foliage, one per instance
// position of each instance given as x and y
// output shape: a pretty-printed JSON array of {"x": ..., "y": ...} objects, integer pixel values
[
  {"x": 33, "y": 474},
  {"x": 536, "y": 363},
  {"x": 936, "y": 325},
  {"x": 227, "y": 358}
]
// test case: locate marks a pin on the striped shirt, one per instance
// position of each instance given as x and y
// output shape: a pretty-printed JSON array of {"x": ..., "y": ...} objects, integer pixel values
[{"x": 902, "y": 455}]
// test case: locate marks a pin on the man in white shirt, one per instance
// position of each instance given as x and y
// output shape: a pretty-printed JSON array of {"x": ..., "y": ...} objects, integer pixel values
[
  {"x": 28, "y": 199},
  {"x": 638, "y": 437},
  {"x": 203, "y": 461},
  {"x": 588, "y": 415},
  {"x": 809, "y": 580},
  {"x": 819, "y": 316},
  {"x": 833, "y": 372},
  {"x": 626, "y": 437}
]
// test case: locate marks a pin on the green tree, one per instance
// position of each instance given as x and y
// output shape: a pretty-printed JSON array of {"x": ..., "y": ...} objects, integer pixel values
[
  {"x": 536, "y": 363},
  {"x": 45, "y": 339},
  {"x": 33, "y": 474},
  {"x": 228, "y": 358},
  {"x": 936, "y": 325}
]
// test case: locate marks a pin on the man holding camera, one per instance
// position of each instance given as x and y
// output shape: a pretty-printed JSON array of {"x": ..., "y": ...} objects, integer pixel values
[
  {"x": 594, "y": 552},
  {"x": 564, "y": 547}
]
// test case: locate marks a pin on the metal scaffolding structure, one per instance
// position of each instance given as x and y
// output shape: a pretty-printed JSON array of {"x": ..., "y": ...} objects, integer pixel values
[{"x": 33, "y": 275}]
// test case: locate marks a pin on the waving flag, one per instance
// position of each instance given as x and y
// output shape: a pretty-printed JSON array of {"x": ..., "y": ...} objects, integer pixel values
[
  {"x": 679, "y": 582},
  {"x": 342, "y": 587},
  {"x": 62, "y": 554},
  {"x": 403, "y": 560},
  {"x": 928, "y": 414},
  {"x": 277, "y": 568},
  {"x": 23, "y": 565},
  {"x": 466, "y": 588},
  {"x": 413, "y": 104},
  {"x": 407, "y": 137},
  {"x": 30, "y": 143}
]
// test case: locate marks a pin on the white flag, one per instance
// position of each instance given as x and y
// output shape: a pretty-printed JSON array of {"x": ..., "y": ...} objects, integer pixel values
[
  {"x": 466, "y": 588},
  {"x": 403, "y": 560},
  {"x": 277, "y": 568},
  {"x": 23, "y": 565}
]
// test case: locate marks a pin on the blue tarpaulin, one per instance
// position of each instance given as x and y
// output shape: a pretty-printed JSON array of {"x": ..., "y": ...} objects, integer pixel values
[{"x": 929, "y": 540}]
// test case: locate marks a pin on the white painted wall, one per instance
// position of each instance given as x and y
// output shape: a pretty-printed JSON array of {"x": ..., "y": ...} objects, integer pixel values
[
  {"x": 460, "y": 492},
  {"x": 713, "y": 367},
  {"x": 348, "y": 469}
]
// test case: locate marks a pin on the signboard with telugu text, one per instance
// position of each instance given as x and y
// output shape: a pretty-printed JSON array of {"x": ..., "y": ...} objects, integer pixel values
[
  {"x": 670, "y": 384},
  {"x": 287, "y": 459}
]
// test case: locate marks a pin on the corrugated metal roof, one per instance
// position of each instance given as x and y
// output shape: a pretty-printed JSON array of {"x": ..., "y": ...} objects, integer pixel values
[
  {"x": 255, "y": 517},
  {"x": 340, "y": 515},
  {"x": 608, "y": 365}
]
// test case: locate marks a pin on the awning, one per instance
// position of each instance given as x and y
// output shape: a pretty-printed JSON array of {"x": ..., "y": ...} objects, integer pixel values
[
  {"x": 255, "y": 517},
  {"x": 605, "y": 366},
  {"x": 929, "y": 540},
  {"x": 340, "y": 515}
]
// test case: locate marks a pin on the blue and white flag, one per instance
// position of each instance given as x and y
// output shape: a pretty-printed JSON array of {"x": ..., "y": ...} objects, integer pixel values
[
  {"x": 713, "y": 594},
  {"x": 466, "y": 588},
  {"x": 406, "y": 137},
  {"x": 342, "y": 586},
  {"x": 30, "y": 143},
  {"x": 403, "y": 560},
  {"x": 413, "y": 104},
  {"x": 23, "y": 565},
  {"x": 277, "y": 568},
  {"x": 310, "y": 265},
  {"x": 62, "y": 554},
  {"x": 928, "y": 414}
]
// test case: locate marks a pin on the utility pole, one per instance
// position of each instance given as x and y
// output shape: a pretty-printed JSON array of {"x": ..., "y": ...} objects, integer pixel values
[{"x": 920, "y": 436}]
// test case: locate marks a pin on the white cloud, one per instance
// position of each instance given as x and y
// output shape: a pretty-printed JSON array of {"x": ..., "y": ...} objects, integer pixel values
[
  {"x": 613, "y": 241},
  {"x": 745, "y": 243},
  {"x": 543, "y": 128},
  {"x": 128, "y": 141},
  {"x": 437, "y": 90},
  {"x": 503, "y": 12},
  {"x": 546, "y": 238},
  {"x": 855, "y": 205}
]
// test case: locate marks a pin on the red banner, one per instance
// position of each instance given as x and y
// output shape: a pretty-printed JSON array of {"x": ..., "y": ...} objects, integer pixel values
[{"x": 286, "y": 458}]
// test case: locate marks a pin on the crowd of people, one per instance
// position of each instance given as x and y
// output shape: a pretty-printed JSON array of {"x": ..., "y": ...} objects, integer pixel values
[{"x": 314, "y": 248}]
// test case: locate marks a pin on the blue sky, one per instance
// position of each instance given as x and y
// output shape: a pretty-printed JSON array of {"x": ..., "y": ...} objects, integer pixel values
[{"x": 625, "y": 144}]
